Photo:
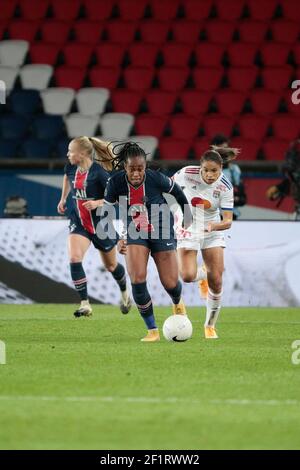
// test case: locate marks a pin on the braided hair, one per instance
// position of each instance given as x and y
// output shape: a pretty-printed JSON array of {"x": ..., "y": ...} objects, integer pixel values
[{"x": 123, "y": 151}]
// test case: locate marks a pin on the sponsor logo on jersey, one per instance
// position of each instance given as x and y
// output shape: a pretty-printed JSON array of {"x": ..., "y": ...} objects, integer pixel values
[{"x": 199, "y": 201}]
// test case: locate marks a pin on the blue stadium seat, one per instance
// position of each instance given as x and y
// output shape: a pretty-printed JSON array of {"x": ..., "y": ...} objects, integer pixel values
[
  {"x": 62, "y": 148},
  {"x": 48, "y": 127},
  {"x": 13, "y": 126},
  {"x": 25, "y": 101},
  {"x": 8, "y": 148},
  {"x": 36, "y": 148}
]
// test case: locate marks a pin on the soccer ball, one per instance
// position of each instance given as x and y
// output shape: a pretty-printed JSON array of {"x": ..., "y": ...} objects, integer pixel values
[{"x": 177, "y": 328}]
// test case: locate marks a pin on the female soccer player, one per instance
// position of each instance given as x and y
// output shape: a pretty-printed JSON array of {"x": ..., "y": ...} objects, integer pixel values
[
  {"x": 149, "y": 227},
  {"x": 208, "y": 191},
  {"x": 86, "y": 176}
]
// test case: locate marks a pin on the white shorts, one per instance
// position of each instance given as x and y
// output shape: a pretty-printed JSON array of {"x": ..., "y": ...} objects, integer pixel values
[{"x": 209, "y": 241}]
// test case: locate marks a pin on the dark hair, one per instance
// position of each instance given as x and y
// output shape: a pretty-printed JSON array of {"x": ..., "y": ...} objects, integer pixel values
[
  {"x": 219, "y": 139},
  {"x": 219, "y": 155},
  {"x": 123, "y": 151}
]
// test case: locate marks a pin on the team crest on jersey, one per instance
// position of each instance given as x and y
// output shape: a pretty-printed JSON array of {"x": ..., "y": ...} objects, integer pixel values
[{"x": 216, "y": 193}]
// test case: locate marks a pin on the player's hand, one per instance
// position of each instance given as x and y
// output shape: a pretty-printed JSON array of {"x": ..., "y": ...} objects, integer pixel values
[
  {"x": 91, "y": 205},
  {"x": 273, "y": 193},
  {"x": 61, "y": 208},
  {"x": 210, "y": 227},
  {"x": 122, "y": 247},
  {"x": 187, "y": 220}
]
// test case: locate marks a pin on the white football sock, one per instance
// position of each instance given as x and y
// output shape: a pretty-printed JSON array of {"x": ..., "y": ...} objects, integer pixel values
[
  {"x": 125, "y": 296},
  {"x": 213, "y": 307},
  {"x": 84, "y": 303}
]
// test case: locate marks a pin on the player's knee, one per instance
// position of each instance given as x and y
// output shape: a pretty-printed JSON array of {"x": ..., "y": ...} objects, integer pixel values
[{"x": 188, "y": 277}]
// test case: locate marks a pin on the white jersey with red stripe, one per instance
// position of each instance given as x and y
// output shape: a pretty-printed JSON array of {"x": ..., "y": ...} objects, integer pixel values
[{"x": 206, "y": 200}]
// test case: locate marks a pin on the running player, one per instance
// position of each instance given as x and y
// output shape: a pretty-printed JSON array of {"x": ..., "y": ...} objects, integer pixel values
[
  {"x": 208, "y": 191},
  {"x": 149, "y": 229},
  {"x": 86, "y": 176}
]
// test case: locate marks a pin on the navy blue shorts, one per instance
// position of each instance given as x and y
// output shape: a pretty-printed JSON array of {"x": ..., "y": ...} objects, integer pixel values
[
  {"x": 155, "y": 246},
  {"x": 76, "y": 228}
]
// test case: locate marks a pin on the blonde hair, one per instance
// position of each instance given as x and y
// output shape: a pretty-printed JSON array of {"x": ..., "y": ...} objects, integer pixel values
[{"x": 97, "y": 149}]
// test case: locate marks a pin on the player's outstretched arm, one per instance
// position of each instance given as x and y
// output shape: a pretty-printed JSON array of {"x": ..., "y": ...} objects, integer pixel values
[
  {"x": 180, "y": 197},
  {"x": 61, "y": 207}
]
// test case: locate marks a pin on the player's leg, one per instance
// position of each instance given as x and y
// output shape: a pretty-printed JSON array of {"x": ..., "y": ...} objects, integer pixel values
[
  {"x": 137, "y": 256},
  {"x": 214, "y": 261},
  {"x": 167, "y": 267},
  {"x": 118, "y": 273},
  {"x": 189, "y": 269},
  {"x": 77, "y": 247}
]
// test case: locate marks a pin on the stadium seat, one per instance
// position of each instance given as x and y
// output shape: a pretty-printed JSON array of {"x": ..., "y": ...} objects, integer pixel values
[
  {"x": 57, "y": 101},
  {"x": 160, "y": 102},
  {"x": 77, "y": 124},
  {"x": 209, "y": 55},
  {"x": 141, "y": 54},
  {"x": 23, "y": 29},
  {"x": 285, "y": 31},
  {"x": 277, "y": 78},
  {"x": 8, "y": 9},
  {"x": 230, "y": 10},
  {"x": 249, "y": 148},
  {"x": 150, "y": 125},
  {"x": 65, "y": 10},
  {"x": 138, "y": 78},
  {"x": 13, "y": 126},
  {"x": 13, "y": 52},
  {"x": 46, "y": 127},
  {"x": 252, "y": 32},
  {"x": 9, "y": 76},
  {"x": 296, "y": 52},
  {"x": 174, "y": 149},
  {"x": 220, "y": 31},
  {"x": 36, "y": 148},
  {"x": 69, "y": 77},
  {"x": 241, "y": 54},
  {"x": 254, "y": 127},
  {"x": 8, "y": 148},
  {"x": 230, "y": 102},
  {"x": 200, "y": 146},
  {"x": 98, "y": 11},
  {"x": 2, "y": 29},
  {"x": 290, "y": 9},
  {"x": 55, "y": 32},
  {"x": 126, "y": 101},
  {"x": 165, "y": 10},
  {"x": 116, "y": 125},
  {"x": 35, "y": 76},
  {"x": 242, "y": 78},
  {"x": 207, "y": 79},
  {"x": 92, "y": 101},
  {"x": 285, "y": 127},
  {"x": 110, "y": 54},
  {"x": 132, "y": 9},
  {"x": 176, "y": 55},
  {"x": 77, "y": 54},
  {"x": 195, "y": 10},
  {"x": 293, "y": 108},
  {"x": 104, "y": 77},
  {"x": 186, "y": 32},
  {"x": 218, "y": 125},
  {"x": 184, "y": 127},
  {"x": 34, "y": 10},
  {"x": 61, "y": 148},
  {"x": 122, "y": 32},
  {"x": 262, "y": 10},
  {"x": 195, "y": 102},
  {"x": 147, "y": 142},
  {"x": 172, "y": 78},
  {"x": 274, "y": 55},
  {"x": 275, "y": 149},
  {"x": 154, "y": 32},
  {"x": 88, "y": 32},
  {"x": 265, "y": 102},
  {"x": 24, "y": 101},
  {"x": 43, "y": 53}
]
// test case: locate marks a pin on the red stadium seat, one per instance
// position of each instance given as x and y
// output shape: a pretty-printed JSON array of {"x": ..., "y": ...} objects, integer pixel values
[
  {"x": 195, "y": 102},
  {"x": 150, "y": 125},
  {"x": 285, "y": 127},
  {"x": 65, "y": 10},
  {"x": 229, "y": 102},
  {"x": 55, "y": 31},
  {"x": 184, "y": 127},
  {"x": 126, "y": 101},
  {"x": 262, "y": 10},
  {"x": 220, "y": 31},
  {"x": 229, "y": 10},
  {"x": 249, "y": 148},
  {"x": 88, "y": 31},
  {"x": 274, "y": 55},
  {"x": 34, "y": 10},
  {"x": 186, "y": 31},
  {"x": 218, "y": 125},
  {"x": 275, "y": 149},
  {"x": 242, "y": 78},
  {"x": 138, "y": 78},
  {"x": 77, "y": 55},
  {"x": 242, "y": 54},
  {"x": 277, "y": 78},
  {"x": 173, "y": 78},
  {"x": 7, "y": 9},
  {"x": 285, "y": 31},
  {"x": 122, "y": 32},
  {"x": 252, "y": 31},
  {"x": 96, "y": 10},
  {"x": 265, "y": 102},
  {"x": 209, "y": 55},
  {"x": 293, "y": 108},
  {"x": 174, "y": 149},
  {"x": 296, "y": 52},
  {"x": 291, "y": 10},
  {"x": 132, "y": 9},
  {"x": 2, "y": 28},
  {"x": 23, "y": 29},
  {"x": 254, "y": 127},
  {"x": 43, "y": 53},
  {"x": 69, "y": 77},
  {"x": 105, "y": 77},
  {"x": 160, "y": 102},
  {"x": 141, "y": 54},
  {"x": 195, "y": 10},
  {"x": 165, "y": 10},
  {"x": 154, "y": 32},
  {"x": 200, "y": 146},
  {"x": 207, "y": 79},
  {"x": 176, "y": 55},
  {"x": 110, "y": 54}
]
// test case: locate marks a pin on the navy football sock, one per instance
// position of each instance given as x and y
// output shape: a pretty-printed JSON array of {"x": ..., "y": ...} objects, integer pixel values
[
  {"x": 120, "y": 276},
  {"x": 175, "y": 293},
  {"x": 144, "y": 304},
  {"x": 79, "y": 280}
]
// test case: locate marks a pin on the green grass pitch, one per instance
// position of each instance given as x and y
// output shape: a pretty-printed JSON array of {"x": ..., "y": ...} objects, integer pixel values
[{"x": 91, "y": 384}]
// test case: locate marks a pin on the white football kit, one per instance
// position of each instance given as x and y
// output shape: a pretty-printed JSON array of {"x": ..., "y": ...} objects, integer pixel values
[{"x": 205, "y": 201}]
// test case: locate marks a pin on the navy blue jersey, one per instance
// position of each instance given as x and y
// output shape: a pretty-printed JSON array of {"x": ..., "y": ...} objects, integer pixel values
[{"x": 86, "y": 185}]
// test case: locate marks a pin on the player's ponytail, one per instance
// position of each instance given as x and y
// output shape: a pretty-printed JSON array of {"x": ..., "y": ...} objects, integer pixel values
[
  {"x": 97, "y": 149},
  {"x": 219, "y": 155}
]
